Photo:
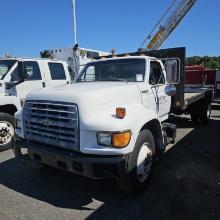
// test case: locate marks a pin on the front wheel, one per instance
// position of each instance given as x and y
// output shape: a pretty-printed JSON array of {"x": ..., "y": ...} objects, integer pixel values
[
  {"x": 134, "y": 175},
  {"x": 7, "y": 130}
]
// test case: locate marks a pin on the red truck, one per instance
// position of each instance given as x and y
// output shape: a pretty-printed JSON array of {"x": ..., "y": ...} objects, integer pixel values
[{"x": 198, "y": 75}]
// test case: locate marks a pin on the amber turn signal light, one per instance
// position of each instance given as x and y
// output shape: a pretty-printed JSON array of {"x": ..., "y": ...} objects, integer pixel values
[
  {"x": 120, "y": 112},
  {"x": 121, "y": 140}
]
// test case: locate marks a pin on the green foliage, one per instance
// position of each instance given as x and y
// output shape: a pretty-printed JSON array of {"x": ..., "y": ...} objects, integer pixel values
[{"x": 206, "y": 61}]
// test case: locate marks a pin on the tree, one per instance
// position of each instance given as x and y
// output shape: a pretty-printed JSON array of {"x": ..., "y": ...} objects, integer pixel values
[{"x": 206, "y": 61}]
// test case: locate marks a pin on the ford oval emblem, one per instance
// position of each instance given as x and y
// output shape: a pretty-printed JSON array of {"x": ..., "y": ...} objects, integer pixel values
[{"x": 46, "y": 122}]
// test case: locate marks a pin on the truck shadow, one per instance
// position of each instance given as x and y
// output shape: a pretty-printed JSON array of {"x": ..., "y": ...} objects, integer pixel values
[{"x": 185, "y": 183}]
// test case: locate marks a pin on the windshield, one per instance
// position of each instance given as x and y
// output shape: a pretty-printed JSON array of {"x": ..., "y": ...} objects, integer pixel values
[
  {"x": 128, "y": 70},
  {"x": 5, "y": 66}
]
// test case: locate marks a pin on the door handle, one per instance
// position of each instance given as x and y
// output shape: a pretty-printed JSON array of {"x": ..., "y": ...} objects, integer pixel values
[{"x": 144, "y": 91}]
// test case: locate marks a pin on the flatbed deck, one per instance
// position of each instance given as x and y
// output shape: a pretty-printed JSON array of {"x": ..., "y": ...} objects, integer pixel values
[{"x": 192, "y": 95}]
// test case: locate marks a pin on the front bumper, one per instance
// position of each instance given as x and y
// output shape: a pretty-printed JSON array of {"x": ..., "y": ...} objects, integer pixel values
[{"x": 92, "y": 166}]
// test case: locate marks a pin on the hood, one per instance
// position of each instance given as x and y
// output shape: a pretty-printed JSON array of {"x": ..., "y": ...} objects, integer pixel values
[
  {"x": 100, "y": 92},
  {"x": 90, "y": 95}
]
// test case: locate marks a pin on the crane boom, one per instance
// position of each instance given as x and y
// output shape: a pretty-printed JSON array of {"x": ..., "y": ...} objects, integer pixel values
[{"x": 168, "y": 22}]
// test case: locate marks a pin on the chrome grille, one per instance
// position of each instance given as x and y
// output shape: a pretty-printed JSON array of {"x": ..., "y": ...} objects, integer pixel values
[{"x": 52, "y": 123}]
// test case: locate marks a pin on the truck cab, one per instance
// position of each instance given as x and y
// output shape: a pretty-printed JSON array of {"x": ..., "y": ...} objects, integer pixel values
[{"x": 40, "y": 73}]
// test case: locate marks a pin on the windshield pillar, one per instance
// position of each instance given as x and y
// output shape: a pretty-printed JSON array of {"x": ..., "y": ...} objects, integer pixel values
[{"x": 5, "y": 67}]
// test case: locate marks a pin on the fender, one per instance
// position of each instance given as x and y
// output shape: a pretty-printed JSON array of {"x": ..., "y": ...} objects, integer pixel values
[
  {"x": 154, "y": 125},
  {"x": 10, "y": 100},
  {"x": 137, "y": 116}
]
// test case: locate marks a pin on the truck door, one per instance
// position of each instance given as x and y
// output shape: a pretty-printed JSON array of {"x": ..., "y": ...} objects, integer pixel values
[
  {"x": 58, "y": 74},
  {"x": 217, "y": 85},
  {"x": 160, "y": 101},
  {"x": 34, "y": 80}
]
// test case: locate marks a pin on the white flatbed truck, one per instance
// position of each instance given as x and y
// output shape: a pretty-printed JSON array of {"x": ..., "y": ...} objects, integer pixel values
[{"x": 113, "y": 120}]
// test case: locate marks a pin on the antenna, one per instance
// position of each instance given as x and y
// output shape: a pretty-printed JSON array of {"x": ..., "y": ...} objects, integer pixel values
[{"x": 74, "y": 21}]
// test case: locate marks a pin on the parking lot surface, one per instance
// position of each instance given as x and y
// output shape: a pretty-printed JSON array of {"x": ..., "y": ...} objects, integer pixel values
[{"x": 185, "y": 184}]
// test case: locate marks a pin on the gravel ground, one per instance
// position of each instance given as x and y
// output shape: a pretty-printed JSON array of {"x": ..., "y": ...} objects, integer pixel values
[{"x": 185, "y": 185}]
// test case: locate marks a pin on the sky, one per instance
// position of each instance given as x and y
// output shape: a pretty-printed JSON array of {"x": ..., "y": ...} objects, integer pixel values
[{"x": 30, "y": 26}]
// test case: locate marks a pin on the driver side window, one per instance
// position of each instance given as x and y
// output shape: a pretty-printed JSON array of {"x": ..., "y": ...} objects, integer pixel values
[{"x": 156, "y": 74}]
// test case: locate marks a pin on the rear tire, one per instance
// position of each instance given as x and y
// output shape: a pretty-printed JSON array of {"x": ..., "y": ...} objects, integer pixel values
[
  {"x": 134, "y": 174},
  {"x": 7, "y": 131},
  {"x": 200, "y": 113}
]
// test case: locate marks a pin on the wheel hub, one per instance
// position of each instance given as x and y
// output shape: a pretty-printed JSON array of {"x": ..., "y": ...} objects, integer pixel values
[
  {"x": 144, "y": 162},
  {"x": 6, "y": 132}
]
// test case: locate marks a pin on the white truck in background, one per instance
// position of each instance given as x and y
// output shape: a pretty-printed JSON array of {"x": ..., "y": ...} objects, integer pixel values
[
  {"x": 113, "y": 120},
  {"x": 40, "y": 73},
  {"x": 56, "y": 67}
]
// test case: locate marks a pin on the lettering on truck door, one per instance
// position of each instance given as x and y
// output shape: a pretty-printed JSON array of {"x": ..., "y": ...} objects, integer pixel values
[{"x": 158, "y": 83}]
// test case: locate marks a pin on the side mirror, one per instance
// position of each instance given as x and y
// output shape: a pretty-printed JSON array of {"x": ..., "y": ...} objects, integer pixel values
[
  {"x": 173, "y": 71},
  {"x": 170, "y": 90},
  {"x": 22, "y": 71}
]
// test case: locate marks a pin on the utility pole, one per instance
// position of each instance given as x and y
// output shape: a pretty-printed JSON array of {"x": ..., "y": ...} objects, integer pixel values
[{"x": 74, "y": 21}]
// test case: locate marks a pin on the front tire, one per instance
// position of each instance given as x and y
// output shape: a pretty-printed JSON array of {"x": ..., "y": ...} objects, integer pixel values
[
  {"x": 7, "y": 130},
  {"x": 134, "y": 175}
]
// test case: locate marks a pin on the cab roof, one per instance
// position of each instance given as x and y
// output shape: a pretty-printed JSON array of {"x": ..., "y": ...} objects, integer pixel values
[
  {"x": 32, "y": 59},
  {"x": 123, "y": 58}
]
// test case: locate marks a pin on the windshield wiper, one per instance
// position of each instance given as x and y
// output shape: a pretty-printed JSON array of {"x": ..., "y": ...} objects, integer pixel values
[
  {"x": 118, "y": 79},
  {"x": 110, "y": 79}
]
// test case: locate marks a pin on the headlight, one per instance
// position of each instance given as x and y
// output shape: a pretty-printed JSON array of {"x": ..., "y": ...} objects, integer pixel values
[
  {"x": 104, "y": 138},
  {"x": 114, "y": 139}
]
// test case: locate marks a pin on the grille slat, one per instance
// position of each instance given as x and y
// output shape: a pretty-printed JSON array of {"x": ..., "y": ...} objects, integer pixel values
[
  {"x": 58, "y": 104},
  {"x": 49, "y": 134},
  {"x": 51, "y": 116},
  {"x": 51, "y": 128},
  {"x": 52, "y": 123},
  {"x": 60, "y": 133},
  {"x": 51, "y": 110}
]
